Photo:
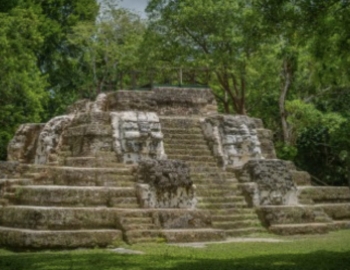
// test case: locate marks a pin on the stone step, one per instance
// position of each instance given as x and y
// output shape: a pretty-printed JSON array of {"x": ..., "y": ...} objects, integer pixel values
[
  {"x": 245, "y": 231},
  {"x": 31, "y": 175},
  {"x": 143, "y": 240},
  {"x": 227, "y": 225},
  {"x": 305, "y": 201},
  {"x": 234, "y": 217},
  {"x": 215, "y": 181},
  {"x": 217, "y": 174},
  {"x": 193, "y": 158},
  {"x": 305, "y": 228},
  {"x": 123, "y": 202},
  {"x": 188, "y": 151},
  {"x": 73, "y": 196},
  {"x": 5, "y": 183},
  {"x": 296, "y": 214},
  {"x": 301, "y": 178},
  {"x": 132, "y": 226},
  {"x": 70, "y": 176},
  {"x": 4, "y": 202},
  {"x": 219, "y": 206},
  {"x": 221, "y": 199},
  {"x": 217, "y": 193},
  {"x": 58, "y": 218},
  {"x": 134, "y": 214},
  {"x": 212, "y": 188},
  {"x": 177, "y": 143},
  {"x": 202, "y": 166},
  {"x": 340, "y": 224},
  {"x": 136, "y": 220},
  {"x": 169, "y": 137},
  {"x": 136, "y": 236},
  {"x": 179, "y": 123},
  {"x": 48, "y": 239},
  {"x": 188, "y": 131},
  {"x": 233, "y": 211},
  {"x": 337, "y": 211},
  {"x": 325, "y": 194},
  {"x": 89, "y": 162},
  {"x": 193, "y": 235},
  {"x": 9, "y": 196},
  {"x": 184, "y": 146}
]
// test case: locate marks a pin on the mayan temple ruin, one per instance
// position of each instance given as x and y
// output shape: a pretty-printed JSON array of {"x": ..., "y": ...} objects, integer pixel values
[{"x": 150, "y": 166}]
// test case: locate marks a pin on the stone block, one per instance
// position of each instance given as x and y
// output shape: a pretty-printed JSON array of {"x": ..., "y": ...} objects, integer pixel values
[
  {"x": 22, "y": 147},
  {"x": 233, "y": 139},
  {"x": 268, "y": 182},
  {"x": 137, "y": 136},
  {"x": 165, "y": 184}
]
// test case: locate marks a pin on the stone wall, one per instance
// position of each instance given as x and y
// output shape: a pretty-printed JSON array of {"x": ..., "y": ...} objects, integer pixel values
[
  {"x": 89, "y": 134},
  {"x": 184, "y": 101},
  {"x": 162, "y": 100},
  {"x": 267, "y": 182},
  {"x": 124, "y": 122},
  {"x": 22, "y": 147},
  {"x": 164, "y": 184},
  {"x": 49, "y": 139},
  {"x": 137, "y": 136},
  {"x": 233, "y": 139}
]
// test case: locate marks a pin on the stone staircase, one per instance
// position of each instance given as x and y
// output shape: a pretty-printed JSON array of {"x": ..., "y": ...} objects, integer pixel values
[
  {"x": 56, "y": 207},
  {"x": 334, "y": 201},
  {"x": 320, "y": 209},
  {"x": 217, "y": 191},
  {"x": 70, "y": 207}
]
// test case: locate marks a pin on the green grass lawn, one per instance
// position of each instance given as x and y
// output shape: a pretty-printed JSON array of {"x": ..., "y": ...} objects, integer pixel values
[{"x": 331, "y": 251}]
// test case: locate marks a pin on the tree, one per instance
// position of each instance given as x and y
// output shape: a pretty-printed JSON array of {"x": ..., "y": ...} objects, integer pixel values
[
  {"x": 221, "y": 34},
  {"x": 110, "y": 47},
  {"x": 56, "y": 57},
  {"x": 22, "y": 86}
]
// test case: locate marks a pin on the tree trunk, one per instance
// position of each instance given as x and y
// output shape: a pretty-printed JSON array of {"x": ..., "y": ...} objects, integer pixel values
[{"x": 287, "y": 76}]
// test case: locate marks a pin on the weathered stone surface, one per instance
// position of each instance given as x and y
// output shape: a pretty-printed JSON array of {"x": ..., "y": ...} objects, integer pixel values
[
  {"x": 325, "y": 194},
  {"x": 295, "y": 214},
  {"x": 293, "y": 229},
  {"x": 11, "y": 169},
  {"x": 50, "y": 138},
  {"x": 337, "y": 211},
  {"x": 22, "y": 147},
  {"x": 265, "y": 137},
  {"x": 58, "y": 218},
  {"x": 268, "y": 182},
  {"x": 190, "y": 235},
  {"x": 137, "y": 136},
  {"x": 181, "y": 218},
  {"x": 184, "y": 101},
  {"x": 301, "y": 178},
  {"x": 74, "y": 196},
  {"x": 162, "y": 100},
  {"x": 24, "y": 239},
  {"x": 165, "y": 184},
  {"x": 232, "y": 139}
]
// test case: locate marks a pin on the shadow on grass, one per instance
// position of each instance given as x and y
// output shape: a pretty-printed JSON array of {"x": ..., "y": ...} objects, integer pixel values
[{"x": 321, "y": 260}]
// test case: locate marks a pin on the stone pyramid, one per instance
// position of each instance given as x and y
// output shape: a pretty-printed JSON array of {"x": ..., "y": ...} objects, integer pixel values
[{"x": 149, "y": 166}]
